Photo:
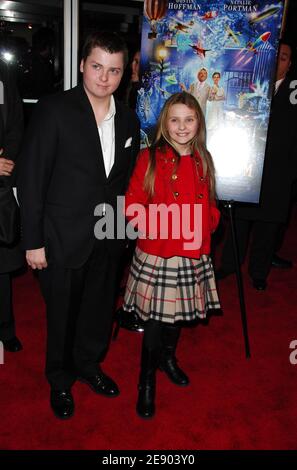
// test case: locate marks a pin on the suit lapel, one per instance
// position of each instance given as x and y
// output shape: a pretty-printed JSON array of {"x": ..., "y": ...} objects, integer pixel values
[
  {"x": 91, "y": 125},
  {"x": 119, "y": 138},
  {"x": 282, "y": 90}
]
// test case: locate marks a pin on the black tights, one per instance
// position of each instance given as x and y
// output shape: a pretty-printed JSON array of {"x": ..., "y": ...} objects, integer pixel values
[
  {"x": 158, "y": 334},
  {"x": 152, "y": 338}
]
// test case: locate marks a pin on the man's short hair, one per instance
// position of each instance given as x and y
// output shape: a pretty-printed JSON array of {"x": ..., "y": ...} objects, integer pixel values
[
  {"x": 108, "y": 41},
  {"x": 286, "y": 40}
]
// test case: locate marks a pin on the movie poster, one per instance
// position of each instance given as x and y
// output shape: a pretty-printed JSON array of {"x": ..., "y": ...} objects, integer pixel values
[{"x": 223, "y": 52}]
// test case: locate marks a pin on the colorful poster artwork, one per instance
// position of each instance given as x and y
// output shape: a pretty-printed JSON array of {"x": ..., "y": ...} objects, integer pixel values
[{"x": 224, "y": 52}]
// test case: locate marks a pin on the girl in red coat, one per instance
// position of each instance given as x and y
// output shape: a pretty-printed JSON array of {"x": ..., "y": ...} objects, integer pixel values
[{"x": 171, "y": 277}]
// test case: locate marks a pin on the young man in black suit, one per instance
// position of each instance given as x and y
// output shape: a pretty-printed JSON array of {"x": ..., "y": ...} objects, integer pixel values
[
  {"x": 11, "y": 256},
  {"x": 79, "y": 152}
]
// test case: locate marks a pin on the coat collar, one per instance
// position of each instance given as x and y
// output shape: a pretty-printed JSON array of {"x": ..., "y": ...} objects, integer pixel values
[
  {"x": 169, "y": 153},
  {"x": 282, "y": 89}
]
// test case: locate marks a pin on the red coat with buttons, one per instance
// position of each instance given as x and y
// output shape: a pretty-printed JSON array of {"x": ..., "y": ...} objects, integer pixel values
[{"x": 188, "y": 190}]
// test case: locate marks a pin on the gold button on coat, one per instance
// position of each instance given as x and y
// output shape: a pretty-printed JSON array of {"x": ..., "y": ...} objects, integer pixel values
[{"x": 174, "y": 177}]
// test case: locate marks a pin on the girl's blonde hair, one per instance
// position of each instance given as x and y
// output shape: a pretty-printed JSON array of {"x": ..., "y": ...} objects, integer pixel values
[{"x": 162, "y": 137}]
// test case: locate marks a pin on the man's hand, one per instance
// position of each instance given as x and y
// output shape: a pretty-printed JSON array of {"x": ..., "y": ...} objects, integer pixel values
[
  {"x": 6, "y": 166},
  {"x": 36, "y": 258}
]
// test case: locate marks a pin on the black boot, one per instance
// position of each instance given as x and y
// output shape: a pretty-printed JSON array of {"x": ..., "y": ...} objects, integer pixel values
[
  {"x": 150, "y": 358},
  {"x": 147, "y": 383},
  {"x": 168, "y": 362}
]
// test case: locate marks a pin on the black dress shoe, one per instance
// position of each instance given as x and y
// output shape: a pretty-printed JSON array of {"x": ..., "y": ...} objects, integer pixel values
[
  {"x": 12, "y": 344},
  {"x": 101, "y": 383},
  {"x": 130, "y": 321},
  {"x": 281, "y": 263},
  {"x": 62, "y": 403},
  {"x": 259, "y": 284}
]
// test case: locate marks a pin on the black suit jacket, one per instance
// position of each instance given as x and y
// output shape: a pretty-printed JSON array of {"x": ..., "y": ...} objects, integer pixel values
[
  {"x": 11, "y": 133},
  {"x": 11, "y": 119},
  {"x": 280, "y": 165},
  {"x": 62, "y": 176}
]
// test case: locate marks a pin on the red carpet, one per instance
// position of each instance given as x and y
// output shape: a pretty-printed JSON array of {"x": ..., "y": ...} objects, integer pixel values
[{"x": 232, "y": 403}]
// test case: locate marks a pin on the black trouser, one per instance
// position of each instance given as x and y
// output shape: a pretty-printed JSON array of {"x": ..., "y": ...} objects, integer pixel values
[
  {"x": 7, "y": 326},
  {"x": 262, "y": 248},
  {"x": 79, "y": 316},
  {"x": 283, "y": 227}
]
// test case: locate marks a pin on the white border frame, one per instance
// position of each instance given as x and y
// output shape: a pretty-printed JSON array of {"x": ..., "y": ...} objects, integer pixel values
[{"x": 71, "y": 19}]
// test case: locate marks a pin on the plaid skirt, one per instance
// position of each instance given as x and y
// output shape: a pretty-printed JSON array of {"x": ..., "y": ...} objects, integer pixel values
[{"x": 170, "y": 289}]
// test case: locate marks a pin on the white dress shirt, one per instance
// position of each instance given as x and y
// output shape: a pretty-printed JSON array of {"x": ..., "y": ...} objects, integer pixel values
[
  {"x": 106, "y": 134},
  {"x": 277, "y": 85}
]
